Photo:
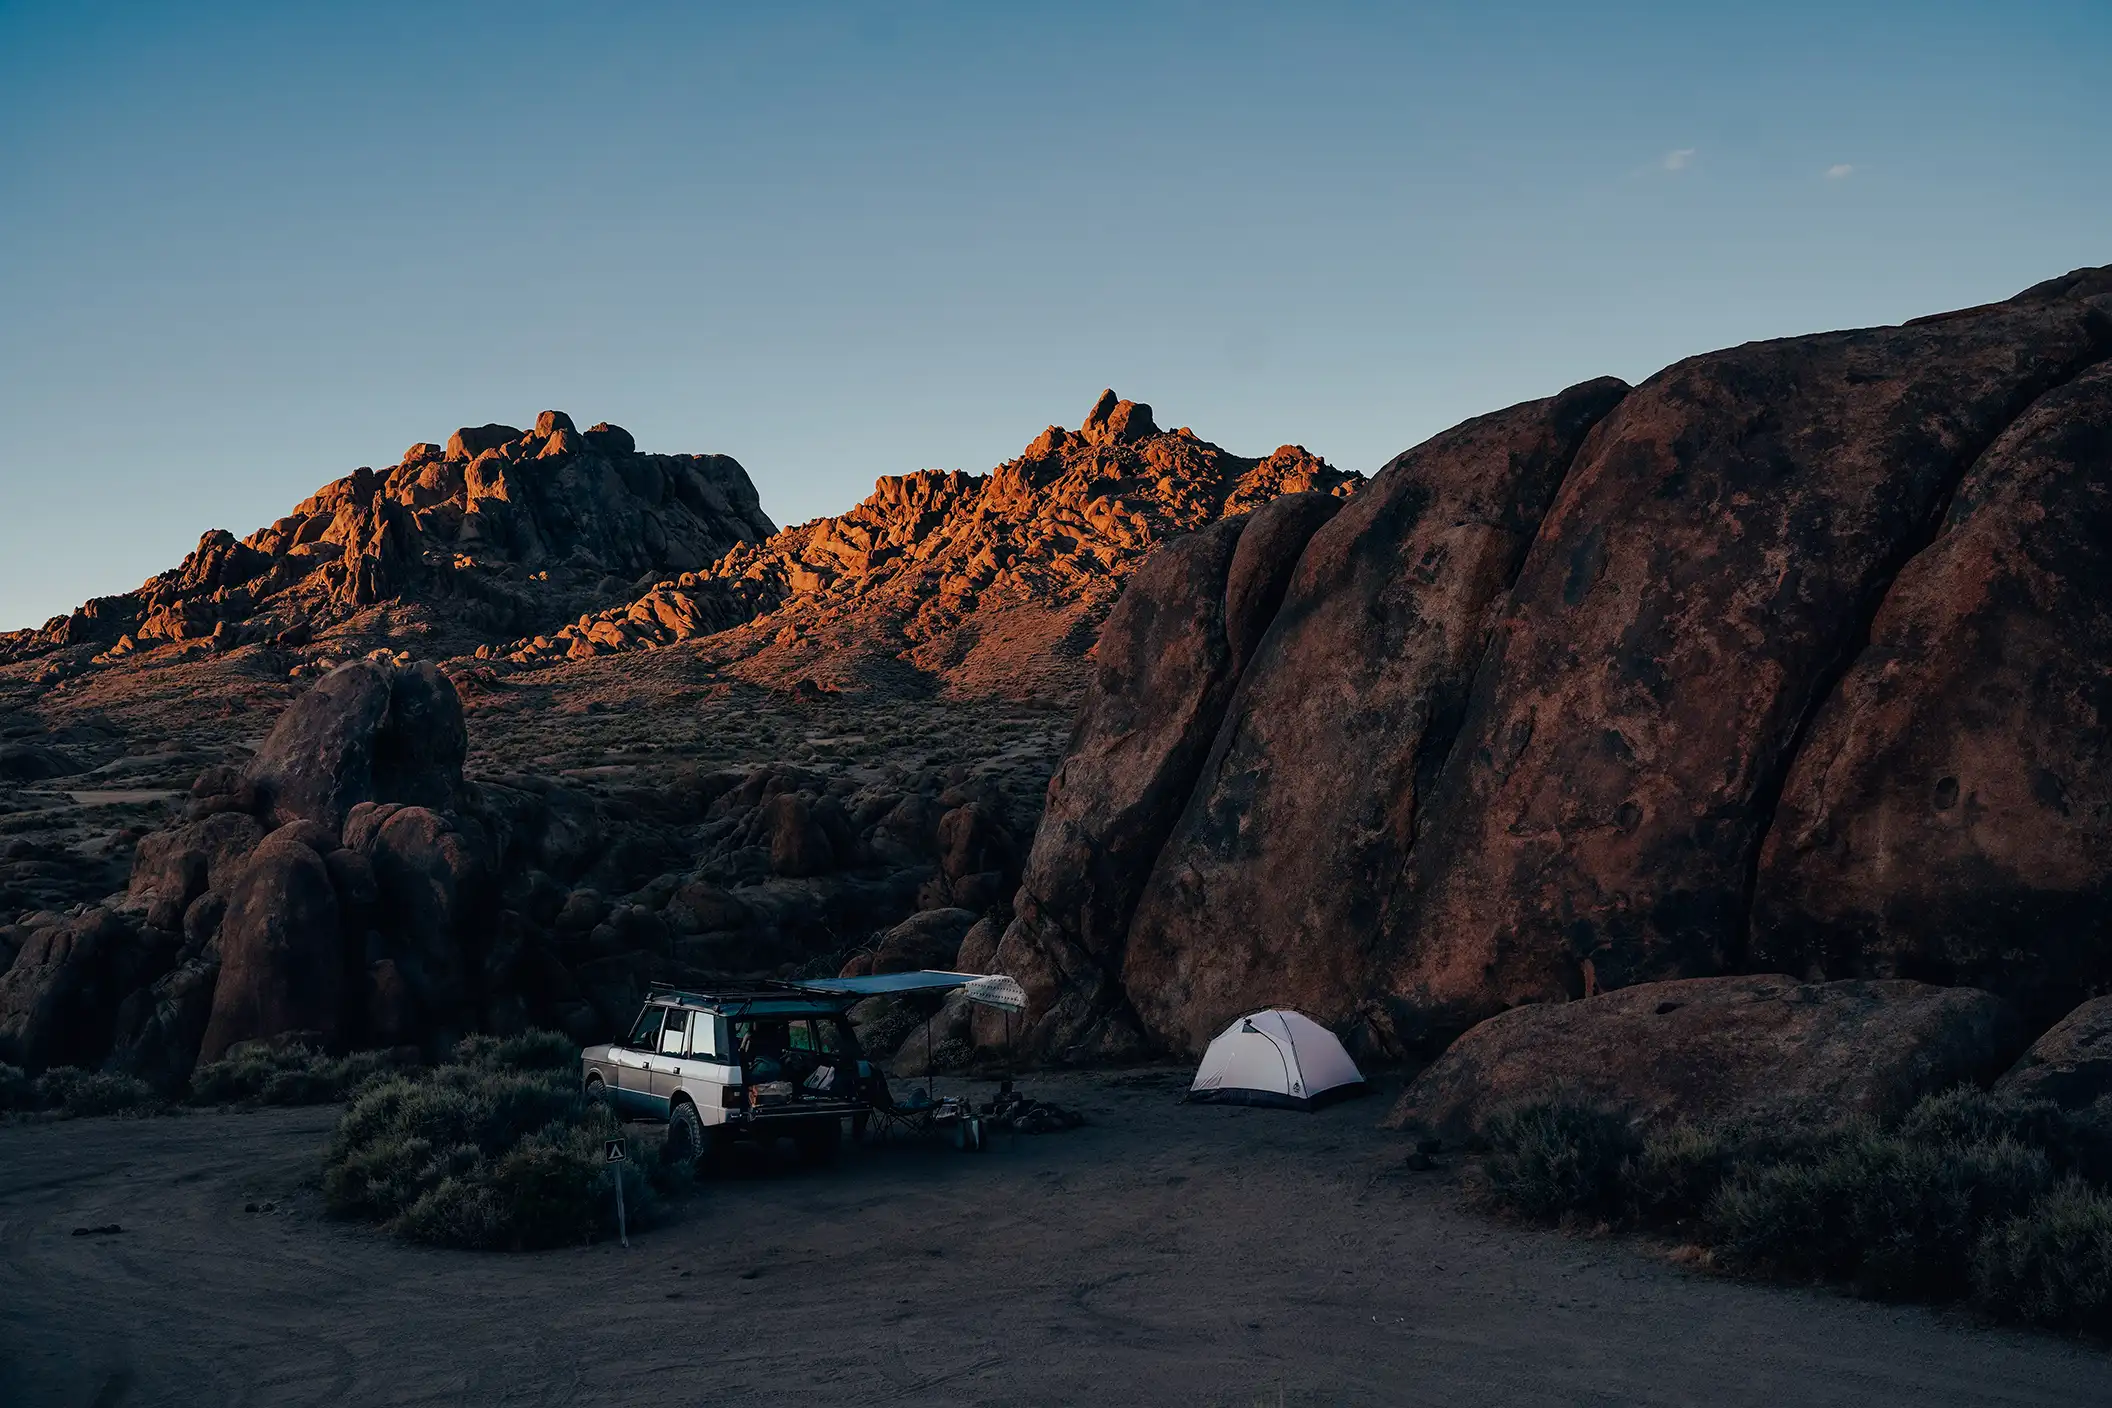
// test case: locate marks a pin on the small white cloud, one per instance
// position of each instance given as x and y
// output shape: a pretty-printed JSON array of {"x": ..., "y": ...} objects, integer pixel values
[
  {"x": 1679, "y": 160},
  {"x": 1839, "y": 171}
]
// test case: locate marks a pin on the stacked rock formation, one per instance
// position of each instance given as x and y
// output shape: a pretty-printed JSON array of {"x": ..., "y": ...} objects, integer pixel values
[
  {"x": 348, "y": 887},
  {"x": 1790, "y": 659},
  {"x": 509, "y": 529},
  {"x": 981, "y": 581}
]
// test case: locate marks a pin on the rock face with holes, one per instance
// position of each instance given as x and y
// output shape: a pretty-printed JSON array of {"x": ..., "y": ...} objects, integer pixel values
[
  {"x": 1520, "y": 730},
  {"x": 1764, "y": 1049}
]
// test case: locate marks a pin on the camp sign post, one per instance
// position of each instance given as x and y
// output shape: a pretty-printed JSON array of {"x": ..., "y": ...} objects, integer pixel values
[{"x": 612, "y": 1153}]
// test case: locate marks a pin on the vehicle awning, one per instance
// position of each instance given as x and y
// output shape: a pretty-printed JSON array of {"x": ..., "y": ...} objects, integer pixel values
[{"x": 989, "y": 989}]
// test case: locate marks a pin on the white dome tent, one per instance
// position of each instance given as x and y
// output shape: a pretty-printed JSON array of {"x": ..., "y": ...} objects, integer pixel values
[{"x": 1276, "y": 1057}]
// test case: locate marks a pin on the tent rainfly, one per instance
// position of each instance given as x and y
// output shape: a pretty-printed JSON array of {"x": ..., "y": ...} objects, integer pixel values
[{"x": 1276, "y": 1057}]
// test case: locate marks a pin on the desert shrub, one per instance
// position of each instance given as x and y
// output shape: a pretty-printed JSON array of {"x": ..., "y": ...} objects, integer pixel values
[
  {"x": 70, "y": 1090},
  {"x": 1549, "y": 1159},
  {"x": 1967, "y": 1115},
  {"x": 1676, "y": 1172},
  {"x": 1966, "y": 1192},
  {"x": 1897, "y": 1217},
  {"x": 17, "y": 1090},
  {"x": 2051, "y": 1265},
  {"x": 484, "y": 1156},
  {"x": 293, "y": 1075},
  {"x": 527, "y": 1051}
]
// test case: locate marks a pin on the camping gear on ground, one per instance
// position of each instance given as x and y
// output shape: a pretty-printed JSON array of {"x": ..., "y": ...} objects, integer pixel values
[
  {"x": 1016, "y": 1113},
  {"x": 1276, "y": 1057}
]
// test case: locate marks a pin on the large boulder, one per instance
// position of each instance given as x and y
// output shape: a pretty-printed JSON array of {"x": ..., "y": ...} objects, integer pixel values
[
  {"x": 2071, "y": 1064},
  {"x": 1291, "y": 851},
  {"x": 59, "y": 999},
  {"x": 1764, "y": 1049},
  {"x": 367, "y": 731},
  {"x": 930, "y": 938},
  {"x": 284, "y": 962},
  {"x": 972, "y": 840},
  {"x": 33, "y": 762},
  {"x": 473, "y": 440},
  {"x": 978, "y": 950},
  {"x": 1713, "y": 560},
  {"x": 799, "y": 846},
  {"x": 1949, "y": 816}
]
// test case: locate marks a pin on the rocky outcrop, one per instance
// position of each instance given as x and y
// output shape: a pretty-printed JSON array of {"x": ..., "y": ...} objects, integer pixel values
[
  {"x": 1519, "y": 731},
  {"x": 1950, "y": 812},
  {"x": 499, "y": 532},
  {"x": 1345, "y": 715},
  {"x": 394, "y": 902},
  {"x": 1763, "y": 1050},
  {"x": 991, "y": 583}
]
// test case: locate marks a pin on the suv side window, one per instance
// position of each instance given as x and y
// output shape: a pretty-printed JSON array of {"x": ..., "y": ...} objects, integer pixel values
[
  {"x": 674, "y": 1041},
  {"x": 803, "y": 1035},
  {"x": 645, "y": 1036}
]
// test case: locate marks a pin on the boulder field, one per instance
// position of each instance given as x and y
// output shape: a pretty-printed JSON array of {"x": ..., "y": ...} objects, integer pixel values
[
  {"x": 1788, "y": 667},
  {"x": 349, "y": 887}
]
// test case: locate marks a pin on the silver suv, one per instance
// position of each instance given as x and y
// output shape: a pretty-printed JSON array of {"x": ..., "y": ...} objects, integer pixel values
[{"x": 757, "y": 1062}]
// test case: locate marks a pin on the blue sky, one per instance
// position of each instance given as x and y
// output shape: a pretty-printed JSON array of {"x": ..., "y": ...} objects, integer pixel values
[{"x": 244, "y": 249}]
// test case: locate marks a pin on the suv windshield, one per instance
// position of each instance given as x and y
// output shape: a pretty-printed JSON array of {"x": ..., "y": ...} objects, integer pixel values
[{"x": 646, "y": 1035}]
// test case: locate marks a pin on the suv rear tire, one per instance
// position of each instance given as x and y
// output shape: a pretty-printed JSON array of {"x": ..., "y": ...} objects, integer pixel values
[{"x": 685, "y": 1135}]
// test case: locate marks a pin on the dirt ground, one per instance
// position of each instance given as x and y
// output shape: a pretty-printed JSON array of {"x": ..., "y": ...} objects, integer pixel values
[{"x": 1162, "y": 1254}]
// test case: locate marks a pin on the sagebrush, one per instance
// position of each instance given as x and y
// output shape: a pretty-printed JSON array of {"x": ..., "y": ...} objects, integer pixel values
[
  {"x": 1965, "y": 1195},
  {"x": 498, "y": 1150}
]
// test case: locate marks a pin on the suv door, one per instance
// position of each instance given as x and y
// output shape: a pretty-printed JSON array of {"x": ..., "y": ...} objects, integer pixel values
[
  {"x": 633, "y": 1058},
  {"x": 667, "y": 1066}
]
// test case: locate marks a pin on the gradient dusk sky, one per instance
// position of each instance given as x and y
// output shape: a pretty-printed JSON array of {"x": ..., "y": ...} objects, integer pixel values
[{"x": 244, "y": 249}]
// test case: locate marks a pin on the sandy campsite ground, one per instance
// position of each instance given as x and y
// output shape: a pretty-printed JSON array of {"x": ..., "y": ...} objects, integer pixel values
[{"x": 1164, "y": 1253}]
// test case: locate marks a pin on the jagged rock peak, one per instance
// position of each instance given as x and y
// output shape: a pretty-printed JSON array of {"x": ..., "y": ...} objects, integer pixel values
[
  {"x": 511, "y": 529},
  {"x": 1117, "y": 422},
  {"x": 984, "y": 581}
]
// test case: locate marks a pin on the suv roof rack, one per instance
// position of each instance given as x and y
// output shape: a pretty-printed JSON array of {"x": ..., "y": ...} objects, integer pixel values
[{"x": 736, "y": 992}]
